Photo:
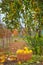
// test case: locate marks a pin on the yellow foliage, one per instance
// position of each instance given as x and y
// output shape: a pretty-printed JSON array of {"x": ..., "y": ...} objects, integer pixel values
[
  {"x": 37, "y": 9},
  {"x": 2, "y": 58},
  {"x": 11, "y": 5},
  {"x": 19, "y": 2},
  {"x": 19, "y": 62}
]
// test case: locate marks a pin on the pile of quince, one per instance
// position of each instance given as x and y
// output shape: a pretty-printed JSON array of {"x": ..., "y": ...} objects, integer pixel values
[
  {"x": 25, "y": 51},
  {"x": 24, "y": 54}
]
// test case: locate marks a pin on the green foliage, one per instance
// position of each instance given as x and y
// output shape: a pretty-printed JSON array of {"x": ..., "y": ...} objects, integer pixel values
[
  {"x": 14, "y": 9},
  {"x": 36, "y": 44}
]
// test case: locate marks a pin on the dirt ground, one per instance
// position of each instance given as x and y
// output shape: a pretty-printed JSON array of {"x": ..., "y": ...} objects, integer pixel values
[{"x": 14, "y": 63}]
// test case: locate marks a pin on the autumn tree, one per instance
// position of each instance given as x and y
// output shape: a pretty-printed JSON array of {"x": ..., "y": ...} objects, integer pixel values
[{"x": 30, "y": 11}]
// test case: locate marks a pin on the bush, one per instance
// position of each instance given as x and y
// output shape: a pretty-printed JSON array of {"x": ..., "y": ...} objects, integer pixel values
[{"x": 35, "y": 43}]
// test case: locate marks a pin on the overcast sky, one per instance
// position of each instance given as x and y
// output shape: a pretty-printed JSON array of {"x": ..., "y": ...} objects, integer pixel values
[{"x": 0, "y": 0}]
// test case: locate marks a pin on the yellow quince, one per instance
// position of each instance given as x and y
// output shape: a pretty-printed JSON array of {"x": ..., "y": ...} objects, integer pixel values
[
  {"x": 19, "y": 51},
  {"x": 25, "y": 52},
  {"x": 25, "y": 48},
  {"x": 30, "y": 51}
]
